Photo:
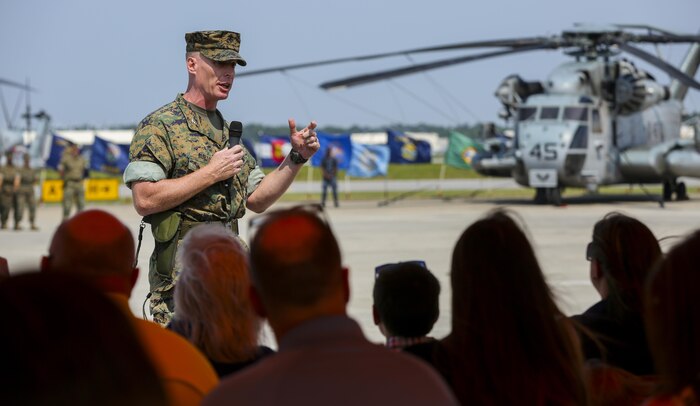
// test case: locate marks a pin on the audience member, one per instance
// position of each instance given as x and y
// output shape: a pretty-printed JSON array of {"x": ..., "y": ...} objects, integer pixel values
[
  {"x": 299, "y": 284},
  {"x": 98, "y": 247},
  {"x": 213, "y": 307},
  {"x": 621, "y": 253},
  {"x": 63, "y": 343},
  {"x": 509, "y": 343},
  {"x": 406, "y": 306},
  {"x": 673, "y": 323}
]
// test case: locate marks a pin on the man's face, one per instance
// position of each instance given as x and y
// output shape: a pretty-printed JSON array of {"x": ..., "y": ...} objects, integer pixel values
[{"x": 214, "y": 79}]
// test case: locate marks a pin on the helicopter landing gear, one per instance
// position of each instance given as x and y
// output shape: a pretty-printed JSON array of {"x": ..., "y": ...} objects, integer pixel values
[
  {"x": 671, "y": 187},
  {"x": 549, "y": 195}
]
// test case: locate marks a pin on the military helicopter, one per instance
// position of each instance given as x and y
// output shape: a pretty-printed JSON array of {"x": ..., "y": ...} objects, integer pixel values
[
  {"x": 597, "y": 120},
  {"x": 18, "y": 140}
]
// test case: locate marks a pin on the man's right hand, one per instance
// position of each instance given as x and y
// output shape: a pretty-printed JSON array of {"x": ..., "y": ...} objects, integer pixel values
[{"x": 226, "y": 163}]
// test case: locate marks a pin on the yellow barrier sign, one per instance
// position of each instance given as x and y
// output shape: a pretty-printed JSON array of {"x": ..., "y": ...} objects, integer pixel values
[
  {"x": 95, "y": 190},
  {"x": 102, "y": 189},
  {"x": 52, "y": 191}
]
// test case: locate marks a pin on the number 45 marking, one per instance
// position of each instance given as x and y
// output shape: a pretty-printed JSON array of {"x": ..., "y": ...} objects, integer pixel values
[{"x": 548, "y": 153}]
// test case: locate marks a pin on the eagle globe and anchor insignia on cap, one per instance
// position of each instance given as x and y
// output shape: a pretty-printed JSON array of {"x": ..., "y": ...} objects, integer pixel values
[{"x": 220, "y": 46}]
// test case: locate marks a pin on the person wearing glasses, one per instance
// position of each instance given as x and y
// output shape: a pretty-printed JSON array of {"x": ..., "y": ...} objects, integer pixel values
[
  {"x": 184, "y": 169},
  {"x": 621, "y": 254},
  {"x": 300, "y": 285},
  {"x": 406, "y": 306}
]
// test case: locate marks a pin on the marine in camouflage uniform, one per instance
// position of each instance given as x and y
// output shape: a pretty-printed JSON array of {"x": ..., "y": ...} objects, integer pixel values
[
  {"x": 9, "y": 182},
  {"x": 25, "y": 195},
  {"x": 72, "y": 168},
  {"x": 185, "y": 139}
]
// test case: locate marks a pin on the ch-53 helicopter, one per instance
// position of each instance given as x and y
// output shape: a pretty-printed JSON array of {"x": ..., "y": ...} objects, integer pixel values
[{"x": 597, "y": 120}]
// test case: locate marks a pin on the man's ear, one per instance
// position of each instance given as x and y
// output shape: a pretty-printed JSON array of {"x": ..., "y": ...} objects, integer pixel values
[
  {"x": 375, "y": 315},
  {"x": 45, "y": 265},
  {"x": 346, "y": 284},
  {"x": 256, "y": 302},
  {"x": 596, "y": 269},
  {"x": 134, "y": 277},
  {"x": 191, "y": 63}
]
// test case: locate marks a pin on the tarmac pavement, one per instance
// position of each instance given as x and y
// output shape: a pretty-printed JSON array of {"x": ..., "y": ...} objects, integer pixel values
[{"x": 417, "y": 229}]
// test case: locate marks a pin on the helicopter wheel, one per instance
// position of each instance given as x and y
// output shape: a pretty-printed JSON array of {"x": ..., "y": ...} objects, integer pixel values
[
  {"x": 541, "y": 195},
  {"x": 554, "y": 196},
  {"x": 681, "y": 192},
  {"x": 668, "y": 191}
]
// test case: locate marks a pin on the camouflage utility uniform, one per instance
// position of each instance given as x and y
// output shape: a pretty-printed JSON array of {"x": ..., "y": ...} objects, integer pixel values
[
  {"x": 73, "y": 168},
  {"x": 171, "y": 142},
  {"x": 7, "y": 192},
  {"x": 25, "y": 195}
]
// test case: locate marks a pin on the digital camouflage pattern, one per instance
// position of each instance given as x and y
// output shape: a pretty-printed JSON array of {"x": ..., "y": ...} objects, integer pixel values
[
  {"x": 26, "y": 196},
  {"x": 180, "y": 142},
  {"x": 73, "y": 170},
  {"x": 222, "y": 46},
  {"x": 7, "y": 192}
]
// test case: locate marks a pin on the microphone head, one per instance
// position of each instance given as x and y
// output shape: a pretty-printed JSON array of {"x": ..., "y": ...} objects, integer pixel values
[{"x": 235, "y": 131}]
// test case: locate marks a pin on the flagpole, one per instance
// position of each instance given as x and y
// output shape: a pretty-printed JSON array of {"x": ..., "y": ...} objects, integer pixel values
[
  {"x": 309, "y": 178},
  {"x": 442, "y": 178}
]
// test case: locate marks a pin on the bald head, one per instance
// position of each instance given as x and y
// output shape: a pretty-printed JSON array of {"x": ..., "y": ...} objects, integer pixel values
[
  {"x": 92, "y": 243},
  {"x": 295, "y": 261}
]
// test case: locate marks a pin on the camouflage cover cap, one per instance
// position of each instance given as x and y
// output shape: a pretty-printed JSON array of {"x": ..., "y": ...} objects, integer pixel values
[{"x": 219, "y": 46}]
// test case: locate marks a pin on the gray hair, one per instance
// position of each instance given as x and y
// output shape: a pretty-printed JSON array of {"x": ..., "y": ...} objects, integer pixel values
[{"x": 211, "y": 295}]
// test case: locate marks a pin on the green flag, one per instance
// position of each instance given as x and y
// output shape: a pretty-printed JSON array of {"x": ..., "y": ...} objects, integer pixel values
[{"x": 461, "y": 150}]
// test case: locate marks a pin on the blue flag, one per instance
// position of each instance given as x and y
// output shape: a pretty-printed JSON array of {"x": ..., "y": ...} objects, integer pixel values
[
  {"x": 106, "y": 156},
  {"x": 341, "y": 149},
  {"x": 369, "y": 160},
  {"x": 271, "y": 150},
  {"x": 406, "y": 150},
  {"x": 248, "y": 144},
  {"x": 58, "y": 144}
]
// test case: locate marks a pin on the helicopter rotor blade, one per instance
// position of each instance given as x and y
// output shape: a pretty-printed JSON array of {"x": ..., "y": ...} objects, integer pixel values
[
  {"x": 388, "y": 74},
  {"x": 513, "y": 42},
  {"x": 17, "y": 85},
  {"x": 670, "y": 69}
]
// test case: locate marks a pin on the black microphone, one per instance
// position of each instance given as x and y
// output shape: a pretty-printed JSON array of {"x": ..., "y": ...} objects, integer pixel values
[{"x": 235, "y": 131}]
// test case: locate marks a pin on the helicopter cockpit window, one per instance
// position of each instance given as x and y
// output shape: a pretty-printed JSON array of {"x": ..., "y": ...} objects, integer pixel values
[
  {"x": 549, "y": 113},
  {"x": 576, "y": 113},
  {"x": 526, "y": 113}
]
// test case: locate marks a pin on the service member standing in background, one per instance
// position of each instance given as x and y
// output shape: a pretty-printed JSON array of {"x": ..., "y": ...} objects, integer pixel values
[
  {"x": 72, "y": 169},
  {"x": 183, "y": 172},
  {"x": 9, "y": 183},
  {"x": 25, "y": 194}
]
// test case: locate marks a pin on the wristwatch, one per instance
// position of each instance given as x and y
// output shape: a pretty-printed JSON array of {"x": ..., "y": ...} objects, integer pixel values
[{"x": 297, "y": 158}]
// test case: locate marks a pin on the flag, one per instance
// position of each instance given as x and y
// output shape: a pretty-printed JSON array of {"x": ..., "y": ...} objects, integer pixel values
[
  {"x": 248, "y": 144},
  {"x": 58, "y": 144},
  {"x": 271, "y": 150},
  {"x": 341, "y": 149},
  {"x": 106, "y": 156},
  {"x": 461, "y": 150},
  {"x": 406, "y": 150},
  {"x": 369, "y": 160}
]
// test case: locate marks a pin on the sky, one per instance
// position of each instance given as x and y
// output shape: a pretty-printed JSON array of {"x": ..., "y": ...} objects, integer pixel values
[{"x": 103, "y": 64}]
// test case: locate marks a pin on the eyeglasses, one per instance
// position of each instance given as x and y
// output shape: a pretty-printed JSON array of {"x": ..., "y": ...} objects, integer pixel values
[
  {"x": 314, "y": 209},
  {"x": 387, "y": 267},
  {"x": 589, "y": 251}
]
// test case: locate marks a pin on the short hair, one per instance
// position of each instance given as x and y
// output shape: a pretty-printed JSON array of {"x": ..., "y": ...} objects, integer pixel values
[
  {"x": 211, "y": 296},
  {"x": 673, "y": 316},
  {"x": 626, "y": 249},
  {"x": 93, "y": 243},
  {"x": 406, "y": 298},
  {"x": 295, "y": 259}
]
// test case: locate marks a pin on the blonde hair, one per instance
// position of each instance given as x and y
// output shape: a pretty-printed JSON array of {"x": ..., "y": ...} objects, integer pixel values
[{"x": 211, "y": 295}]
